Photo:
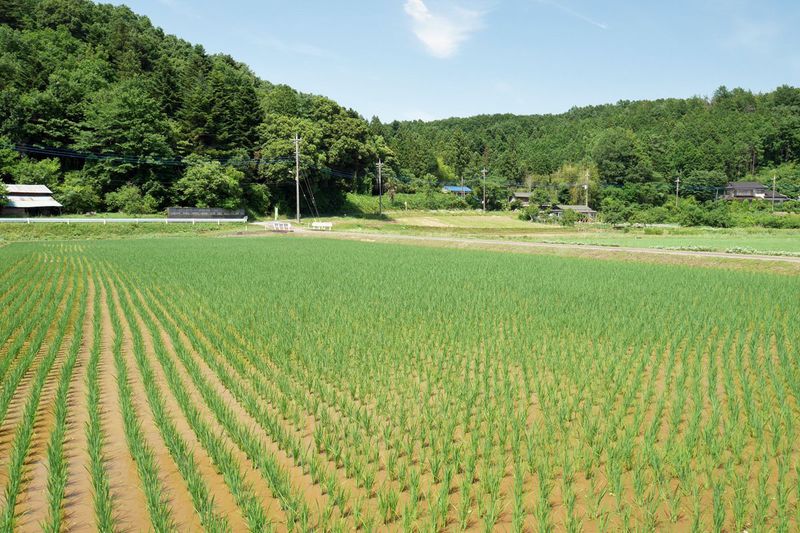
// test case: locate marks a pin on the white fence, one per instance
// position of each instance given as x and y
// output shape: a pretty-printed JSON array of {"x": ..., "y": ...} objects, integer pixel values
[
  {"x": 281, "y": 227},
  {"x": 53, "y": 220}
]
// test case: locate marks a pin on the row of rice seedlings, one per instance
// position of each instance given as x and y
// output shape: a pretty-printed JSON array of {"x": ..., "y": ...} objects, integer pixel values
[
  {"x": 26, "y": 324},
  {"x": 293, "y": 504},
  {"x": 157, "y": 503},
  {"x": 364, "y": 476},
  {"x": 95, "y": 436},
  {"x": 14, "y": 270},
  {"x": 183, "y": 457},
  {"x": 286, "y": 441},
  {"x": 646, "y": 434},
  {"x": 24, "y": 432},
  {"x": 253, "y": 368},
  {"x": 218, "y": 450},
  {"x": 20, "y": 286},
  {"x": 57, "y": 466}
]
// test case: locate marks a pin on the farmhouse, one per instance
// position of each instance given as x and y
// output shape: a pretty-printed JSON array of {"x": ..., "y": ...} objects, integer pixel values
[
  {"x": 523, "y": 197},
  {"x": 29, "y": 200},
  {"x": 751, "y": 190},
  {"x": 455, "y": 189},
  {"x": 584, "y": 211}
]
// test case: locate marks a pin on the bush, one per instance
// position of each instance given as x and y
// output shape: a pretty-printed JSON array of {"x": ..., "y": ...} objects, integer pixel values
[
  {"x": 129, "y": 199},
  {"x": 530, "y": 212},
  {"x": 569, "y": 218},
  {"x": 210, "y": 184},
  {"x": 614, "y": 210},
  {"x": 362, "y": 203},
  {"x": 78, "y": 193}
]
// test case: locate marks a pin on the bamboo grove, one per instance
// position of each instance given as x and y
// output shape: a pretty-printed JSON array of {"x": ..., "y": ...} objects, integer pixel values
[{"x": 276, "y": 384}]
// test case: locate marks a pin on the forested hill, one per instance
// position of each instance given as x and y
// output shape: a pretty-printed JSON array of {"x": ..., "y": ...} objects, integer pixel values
[
  {"x": 706, "y": 141},
  {"x": 173, "y": 125},
  {"x": 112, "y": 113}
]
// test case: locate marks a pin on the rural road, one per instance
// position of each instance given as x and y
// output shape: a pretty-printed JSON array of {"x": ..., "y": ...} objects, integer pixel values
[{"x": 540, "y": 245}]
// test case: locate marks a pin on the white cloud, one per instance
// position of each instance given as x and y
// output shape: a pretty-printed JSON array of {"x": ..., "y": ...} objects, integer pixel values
[{"x": 443, "y": 33}]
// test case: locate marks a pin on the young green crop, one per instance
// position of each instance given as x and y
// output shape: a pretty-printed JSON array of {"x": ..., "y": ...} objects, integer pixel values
[{"x": 415, "y": 389}]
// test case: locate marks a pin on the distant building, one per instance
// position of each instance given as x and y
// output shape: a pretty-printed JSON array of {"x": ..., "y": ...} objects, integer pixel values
[
  {"x": 751, "y": 190},
  {"x": 455, "y": 189},
  {"x": 29, "y": 200},
  {"x": 523, "y": 197},
  {"x": 584, "y": 211}
]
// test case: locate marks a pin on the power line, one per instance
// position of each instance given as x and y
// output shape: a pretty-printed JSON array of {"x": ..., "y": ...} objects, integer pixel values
[{"x": 139, "y": 160}]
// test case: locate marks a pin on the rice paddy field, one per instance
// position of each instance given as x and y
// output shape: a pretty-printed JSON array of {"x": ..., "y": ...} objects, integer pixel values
[{"x": 285, "y": 384}]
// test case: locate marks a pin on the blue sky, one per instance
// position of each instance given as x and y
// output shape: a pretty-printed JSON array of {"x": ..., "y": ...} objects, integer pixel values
[{"x": 427, "y": 59}]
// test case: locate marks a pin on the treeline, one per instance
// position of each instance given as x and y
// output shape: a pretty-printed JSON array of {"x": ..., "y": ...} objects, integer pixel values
[
  {"x": 112, "y": 113},
  {"x": 172, "y": 124},
  {"x": 630, "y": 150}
]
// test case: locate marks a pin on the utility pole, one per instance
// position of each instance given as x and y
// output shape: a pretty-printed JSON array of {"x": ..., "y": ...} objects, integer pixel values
[
  {"x": 586, "y": 189},
  {"x": 773, "y": 193},
  {"x": 380, "y": 187},
  {"x": 677, "y": 189},
  {"x": 484, "y": 171},
  {"x": 297, "y": 173}
]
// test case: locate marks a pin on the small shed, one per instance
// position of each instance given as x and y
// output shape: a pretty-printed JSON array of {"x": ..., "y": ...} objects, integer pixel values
[
  {"x": 456, "y": 189},
  {"x": 30, "y": 200},
  {"x": 584, "y": 211}
]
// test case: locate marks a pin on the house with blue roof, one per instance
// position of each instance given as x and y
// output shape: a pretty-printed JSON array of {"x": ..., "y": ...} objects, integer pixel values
[{"x": 455, "y": 189}]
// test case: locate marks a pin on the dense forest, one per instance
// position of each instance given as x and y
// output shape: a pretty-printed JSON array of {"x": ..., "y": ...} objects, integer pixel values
[{"x": 114, "y": 114}]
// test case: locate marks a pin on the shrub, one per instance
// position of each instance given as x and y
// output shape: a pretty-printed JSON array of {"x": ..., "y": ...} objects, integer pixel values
[
  {"x": 530, "y": 212},
  {"x": 129, "y": 199},
  {"x": 569, "y": 218},
  {"x": 78, "y": 193},
  {"x": 210, "y": 184}
]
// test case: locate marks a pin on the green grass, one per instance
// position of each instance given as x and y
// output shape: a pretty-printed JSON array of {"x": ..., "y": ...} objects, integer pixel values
[
  {"x": 11, "y": 232},
  {"x": 761, "y": 240},
  {"x": 507, "y": 226}
]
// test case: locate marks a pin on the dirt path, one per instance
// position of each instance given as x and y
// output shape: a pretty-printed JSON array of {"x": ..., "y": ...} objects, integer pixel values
[
  {"x": 176, "y": 491},
  {"x": 126, "y": 490},
  {"x": 78, "y": 496},
  {"x": 479, "y": 243}
]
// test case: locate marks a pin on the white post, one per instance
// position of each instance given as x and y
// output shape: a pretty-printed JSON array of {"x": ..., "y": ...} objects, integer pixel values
[
  {"x": 297, "y": 172},
  {"x": 773, "y": 193}
]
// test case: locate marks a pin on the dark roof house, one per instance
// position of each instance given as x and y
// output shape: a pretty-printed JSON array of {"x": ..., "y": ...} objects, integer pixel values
[
  {"x": 583, "y": 210},
  {"x": 523, "y": 197},
  {"x": 27, "y": 200},
  {"x": 751, "y": 190}
]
